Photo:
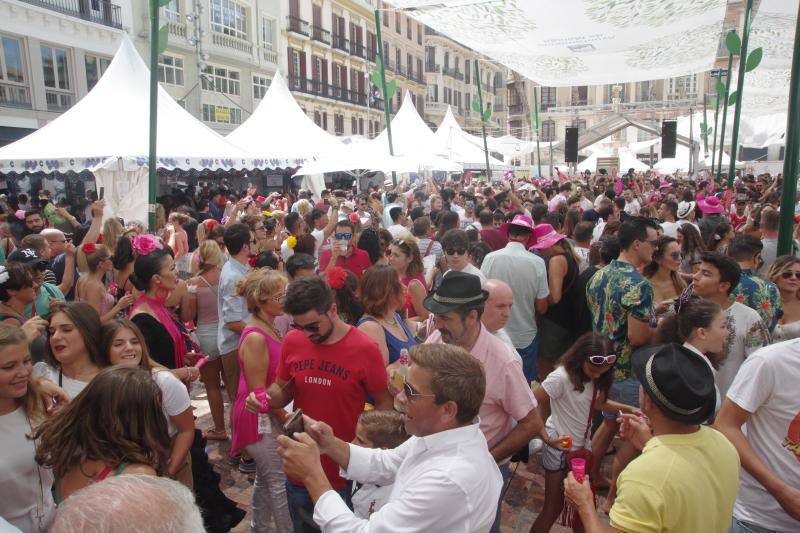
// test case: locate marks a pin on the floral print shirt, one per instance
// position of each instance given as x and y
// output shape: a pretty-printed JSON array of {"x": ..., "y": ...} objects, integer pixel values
[
  {"x": 616, "y": 293},
  {"x": 759, "y": 294}
]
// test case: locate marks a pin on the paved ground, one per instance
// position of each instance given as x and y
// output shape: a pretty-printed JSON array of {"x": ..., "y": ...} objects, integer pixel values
[{"x": 521, "y": 504}]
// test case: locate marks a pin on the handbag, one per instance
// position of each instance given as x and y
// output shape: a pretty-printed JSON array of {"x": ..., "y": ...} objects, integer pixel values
[{"x": 569, "y": 515}]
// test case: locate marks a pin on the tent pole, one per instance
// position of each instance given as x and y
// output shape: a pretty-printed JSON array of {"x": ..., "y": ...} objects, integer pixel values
[
  {"x": 536, "y": 125},
  {"x": 483, "y": 123},
  {"x": 792, "y": 152},
  {"x": 739, "y": 87},
  {"x": 691, "y": 140},
  {"x": 151, "y": 160},
  {"x": 386, "y": 101},
  {"x": 716, "y": 120},
  {"x": 705, "y": 124},
  {"x": 724, "y": 114}
]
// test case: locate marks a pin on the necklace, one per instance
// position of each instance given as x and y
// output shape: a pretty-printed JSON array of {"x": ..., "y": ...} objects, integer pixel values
[
  {"x": 391, "y": 322},
  {"x": 272, "y": 329}
]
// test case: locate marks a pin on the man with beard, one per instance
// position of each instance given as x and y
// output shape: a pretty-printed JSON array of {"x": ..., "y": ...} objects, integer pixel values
[
  {"x": 328, "y": 368},
  {"x": 34, "y": 222},
  {"x": 508, "y": 414}
]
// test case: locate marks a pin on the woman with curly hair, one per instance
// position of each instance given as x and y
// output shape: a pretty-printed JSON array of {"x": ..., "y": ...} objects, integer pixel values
[{"x": 126, "y": 433}]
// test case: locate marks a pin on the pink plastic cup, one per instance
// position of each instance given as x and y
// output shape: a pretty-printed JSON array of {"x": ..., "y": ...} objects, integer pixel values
[{"x": 578, "y": 466}]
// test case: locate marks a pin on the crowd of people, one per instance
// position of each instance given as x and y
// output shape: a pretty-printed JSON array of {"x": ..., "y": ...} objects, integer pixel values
[{"x": 384, "y": 360}]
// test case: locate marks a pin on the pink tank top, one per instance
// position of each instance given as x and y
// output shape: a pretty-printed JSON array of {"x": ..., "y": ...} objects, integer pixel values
[
  {"x": 245, "y": 423},
  {"x": 207, "y": 312}
]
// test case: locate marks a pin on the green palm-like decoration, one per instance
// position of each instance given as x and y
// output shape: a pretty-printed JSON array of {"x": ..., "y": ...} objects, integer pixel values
[
  {"x": 163, "y": 31},
  {"x": 486, "y": 114},
  {"x": 377, "y": 81}
]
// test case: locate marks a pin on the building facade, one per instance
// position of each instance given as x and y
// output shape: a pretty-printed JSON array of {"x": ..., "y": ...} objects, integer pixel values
[{"x": 451, "y": 80}]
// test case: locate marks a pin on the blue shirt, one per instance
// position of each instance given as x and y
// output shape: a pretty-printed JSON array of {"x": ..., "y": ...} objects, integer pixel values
[
  {"x": 759, "y": 294},
  {"x": 232, "y": 308}
]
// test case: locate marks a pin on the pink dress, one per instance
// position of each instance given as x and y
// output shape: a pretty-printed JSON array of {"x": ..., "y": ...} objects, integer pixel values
[{"x": 245, "y": 423}]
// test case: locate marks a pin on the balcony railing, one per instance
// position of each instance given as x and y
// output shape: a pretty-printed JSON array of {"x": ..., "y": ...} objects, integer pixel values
[
  {"x": 453, "y": 73},
  {"x": 430, "y": 67},
  {"x": 297, "y": 25},
  {"x": 340, "y": 42},
  {"x": 660, "y": 105},
  {"x": 357, "y": 49},
  {"x": 229, "y": 41},
  {"x": 269, "y": 55},
  {"x": 334, "y": 92},
  {"x": 320, "y": 34},
  {"x": 435, "y": 108},
  {"x": 57, "y": 101},
  {"x": 177, "y": 29},
  {"x": 579, "y": 102},
  {"x": 16, "y": 96},
  {"x": 99, "y": 11},
  {"x": 388, "y": 65},
  {"x": 516, "y": 109}
]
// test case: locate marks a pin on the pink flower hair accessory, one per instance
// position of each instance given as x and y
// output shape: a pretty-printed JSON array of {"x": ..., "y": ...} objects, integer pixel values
[{"x": 146, "y": 244}]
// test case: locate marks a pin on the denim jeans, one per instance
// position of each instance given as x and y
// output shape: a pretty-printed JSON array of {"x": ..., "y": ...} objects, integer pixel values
[
  {"x": 528, "y": 355},
  {"x": 743, "y": 527},
  {"x": 301, "y": 508},
  {"x": 505, "y": 472},
  {"x": 625, "y": 391}
]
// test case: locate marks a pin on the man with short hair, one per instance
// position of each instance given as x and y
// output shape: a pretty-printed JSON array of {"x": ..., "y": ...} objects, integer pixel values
[
  {"x": 632, "y": 204},
  {"x": 764, "y": 397},
  {"x": 328, "y": 368},
  {"x": 444, "y": 478},
  {"x": 668, "y": 213},
  {"x": 526, "y": 274},
  {"x": 455, "y": 244},
  {"x": 716, "y": 280},
  {"x": 498, "y": 309},
  {"x": 753, "y": 290},
  {"x": 343, "y": 252},
  {"x": 687, "y": 474},
  {"x": 324, "y": 224},
  {"x": 489, "y": 234},
  {"x": 508, "y": 415},
  {"x": 34, "y": 223},
  {"x": 770, "y": 220},
  {"x": 425, "y": 241},
  {"x": 398, "y": 221},
  {"x": 583, "y": 243},
  {"x": 607, "y": 214},
  {"x": 300, "y": 266}
]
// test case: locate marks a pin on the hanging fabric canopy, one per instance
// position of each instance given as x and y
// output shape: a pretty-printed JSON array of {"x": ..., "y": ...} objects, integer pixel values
[
  {"x": 459, "y": 146},
  {"x": 582, "y": 42},
  {"x": 282, "y": 131}
]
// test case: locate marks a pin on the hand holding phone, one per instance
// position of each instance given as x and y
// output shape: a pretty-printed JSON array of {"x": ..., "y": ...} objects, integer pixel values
[{"x": 294, "y": 424}]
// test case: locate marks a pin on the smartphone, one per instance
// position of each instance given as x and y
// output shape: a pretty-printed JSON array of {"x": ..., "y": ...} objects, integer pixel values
[
  {"x": 102, "y": 193},
  {"x": 294, "y": 424}
]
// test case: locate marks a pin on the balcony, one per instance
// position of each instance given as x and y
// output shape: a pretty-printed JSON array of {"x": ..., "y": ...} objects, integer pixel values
[
  {"x": 340, "y": 43},
  {"x": 98, "y": 11},
  {"x": 297, "y": 25},
  {"x": 453, "y": 73},
  {"x": 388, "y": 65},
  {"x": 234, "y": 43},
  {"x": 430, "y": 67},
  {"x": 269, "y": 55},
  {"x": 16, "y": 96},
  {"x": 58, "y": 102},
  {"x": 660, "y": 105},
  {"x": 178, "y": 29},
  {"x": 435, "y": 108},
  {"x": 334, "y": 92},
  {"x": 516, "y": 109},
  {"x": 321, "y": 35},
  {"x": 357, "y": 50},
  {"x": 371, "y": 54},
  {"x": 579, "y": 102}
]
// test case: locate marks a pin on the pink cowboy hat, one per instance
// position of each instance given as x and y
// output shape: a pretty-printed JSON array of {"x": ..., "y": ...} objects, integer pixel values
[
  {"x": 710, "y": 205},
  {"x": 546, "y": 236},
  {"x": 664, "y": 185},
  {"x": 523, "y": 222}
]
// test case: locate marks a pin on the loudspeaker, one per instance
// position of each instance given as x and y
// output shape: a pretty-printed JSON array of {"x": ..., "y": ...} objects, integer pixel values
[
  {"x": 669, "y": 128},
  {"x": 571, "y": 145}
]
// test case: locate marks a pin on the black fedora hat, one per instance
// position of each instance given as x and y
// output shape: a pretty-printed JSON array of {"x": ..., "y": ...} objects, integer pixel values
[
  {"x": 678, "y": 380},
  {"x": 457, "y": 289}
]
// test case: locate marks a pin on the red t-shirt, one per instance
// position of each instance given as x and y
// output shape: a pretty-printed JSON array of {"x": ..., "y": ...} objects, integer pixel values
[
  {"x": 494, "y": 238},
  {"x": 357, "y": 263},
  {"x": 737, "y": 220},
  {"x": 331, "y": 383}
]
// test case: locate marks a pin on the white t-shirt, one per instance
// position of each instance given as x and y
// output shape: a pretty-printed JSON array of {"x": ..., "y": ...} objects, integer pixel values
[
  {"x": 569, "y": 409},
  {"x": 174, "y": 396},
  {"x": 746, "y": 334},
  {"x": 472, "y": 269},
  {"x": 72, "y": 387},
  {"x": 633, "y": 207},
  {"x": 396, "y": 230},
  {"x": 766, "y": 387},
  {"x": 286, "y": 252},
  {"x": 319, "y": 238},
  {"x": 598, "y": 230},
  {"x": 670, "y": 229}
]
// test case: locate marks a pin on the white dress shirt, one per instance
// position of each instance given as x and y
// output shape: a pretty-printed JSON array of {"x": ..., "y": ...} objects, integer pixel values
[{"x": 447, "y": 481}]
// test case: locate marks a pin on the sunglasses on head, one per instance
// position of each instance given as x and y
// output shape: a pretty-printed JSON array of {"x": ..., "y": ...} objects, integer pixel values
[
  {"x": 602, "y": 359},
  {"x": 456, "y": 251},
  {"x": 342, "y": 236},
  {"x": 790, "y": 274}
]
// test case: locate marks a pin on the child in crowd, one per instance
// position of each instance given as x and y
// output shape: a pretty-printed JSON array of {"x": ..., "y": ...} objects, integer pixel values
[{"x": 376, "y": 429}]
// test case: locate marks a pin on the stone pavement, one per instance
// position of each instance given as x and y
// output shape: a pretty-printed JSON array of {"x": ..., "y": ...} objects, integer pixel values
[{"x": 522, "y": 502}]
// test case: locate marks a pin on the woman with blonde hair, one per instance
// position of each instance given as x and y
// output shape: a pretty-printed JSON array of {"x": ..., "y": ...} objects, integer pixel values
[
  {"x": 259, "y": 350},
  {"x": 785, "y": 273},
  {"x": 112, "y": 231},
  {"x": 208, "y": 230},
  {"x": 202, "y": 306},
  {"x": 125, "y": 434},
  {"x": 91, "y": 288}
]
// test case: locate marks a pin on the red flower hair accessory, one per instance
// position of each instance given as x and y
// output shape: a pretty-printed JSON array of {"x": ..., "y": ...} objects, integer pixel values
[
  {"x": 251, "y": 262},
  {"x": 336, "y": 277},
  {"x": 354, "y": 218},
  {"x": 88, "y": 248},
  {"x": 210, "y": 223}
]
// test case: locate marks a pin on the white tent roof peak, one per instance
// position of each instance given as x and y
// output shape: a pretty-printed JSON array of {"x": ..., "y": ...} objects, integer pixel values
[
  {"x": 459, "y": 146},
  {"x": 279, "y": 128},
  {"x": 110, "y": 125}
]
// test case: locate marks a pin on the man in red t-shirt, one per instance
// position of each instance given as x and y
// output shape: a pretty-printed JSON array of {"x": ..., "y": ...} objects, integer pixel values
[
  {"x": 344, "y": 253},
  {"x": 739, "y": 216},
  {"x": 328, "y": 368}
]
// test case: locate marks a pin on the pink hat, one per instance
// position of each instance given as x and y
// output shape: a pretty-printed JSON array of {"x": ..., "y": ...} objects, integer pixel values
[
  {"x": 546, "y": 236},
  {"x": 710, "y": 205},
  {"x": 523, "y": 222},
  {"x": 664, "y": 185}
]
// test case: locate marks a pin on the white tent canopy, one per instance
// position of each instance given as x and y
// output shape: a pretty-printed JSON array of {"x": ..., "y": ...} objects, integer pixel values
[
  {"x": 459, "y": 146},
  {"x": 281, "y": 130}
]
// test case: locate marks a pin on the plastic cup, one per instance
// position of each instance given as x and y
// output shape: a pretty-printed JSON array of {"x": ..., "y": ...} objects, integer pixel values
[{"x": 578, "y": 466}]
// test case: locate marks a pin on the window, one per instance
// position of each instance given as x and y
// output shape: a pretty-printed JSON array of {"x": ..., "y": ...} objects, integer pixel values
[
  {"x": 221, "y": 80},
  {"x": 222, "y": 114},
  {"x": 579, "y": 95},
  {"x": 646, "y": 91},
  {"x": 548, "y": 130},
  {"x": 229, "y": 18},
  {"x": 171, "y": 11},
  {"x": 13, "y": 92},
  {"x": 260, "y": 86},
  {"x": 353, "y": 125},
  {"x": 55, "y": 66},
  {"x": 397, "y": 59},
  {"x": 419, "y": 33},
  {"x": 170, "y": 70},
  {"x": 338, "y": 124},
  {"x": 95, "y": 67},
  {"x": 682, "y": 87},
  {"x": 433, "y": 93},
  {"x": 467, "y": 66},
  {"x": 267, "y": 33},
  {"x": 318, "y": 118},
  {"x": 397, "y": 23},
  {"x": 410, "y": 65},
  {"x": 547, "y": 98},
  {"x": 408, "y": 29},
  {"x": 386, "y": 20}
]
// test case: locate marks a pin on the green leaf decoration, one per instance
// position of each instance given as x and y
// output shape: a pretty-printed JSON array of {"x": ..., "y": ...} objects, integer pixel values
[
  {"x": 391, "y": 87},
  {"x": 163, "y": 38},
  {"x": 732, "y": 98},
  {"x": 720, "y": 87},
  {"x": 713, "y": 101},
  {"x": 476, "y": 107},
  {"x": 733, "y": 43},
  {"x": 488, "y": 113},
  {"x": 710, "y": 130},
  {"x": 376, "y": 73},
  {"x": 754, "y": 59},
  {"x": 535, "y": 120}
]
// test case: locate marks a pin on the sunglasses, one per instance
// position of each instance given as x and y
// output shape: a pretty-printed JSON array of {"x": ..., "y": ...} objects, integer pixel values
[
  {"x": 790, "y": 274},
  {"x": 410, "y": 393},
  {"x": 602, "y": 359},
  {"x": 456, "y": 251},
  {"x": 311, "y": 328},
  {"x": 342, "y": 236}
]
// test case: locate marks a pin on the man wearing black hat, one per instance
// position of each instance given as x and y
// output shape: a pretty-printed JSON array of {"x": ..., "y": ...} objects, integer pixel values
[
  {"x": 508, "y": 415},
  {"x": 687, "y": 475}
]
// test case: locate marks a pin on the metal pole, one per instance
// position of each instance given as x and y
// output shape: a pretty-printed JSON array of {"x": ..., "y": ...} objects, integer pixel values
[
  {"x": 386, "y": 101},
  {"x": 483, "y": 123},
  {"x": 151, "y": 160},
  {"x": 724, "y": 115},
  {"x": 691, "y": 140},
  {"x": 739, "y": 87},
  {"x": 536, "y": 125},
  {"x": 551, "y": 158},
  {"x": 792, "y": 152},
  {"x": 705, "y": 123},
  {"x": 714, "y": 147}
]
